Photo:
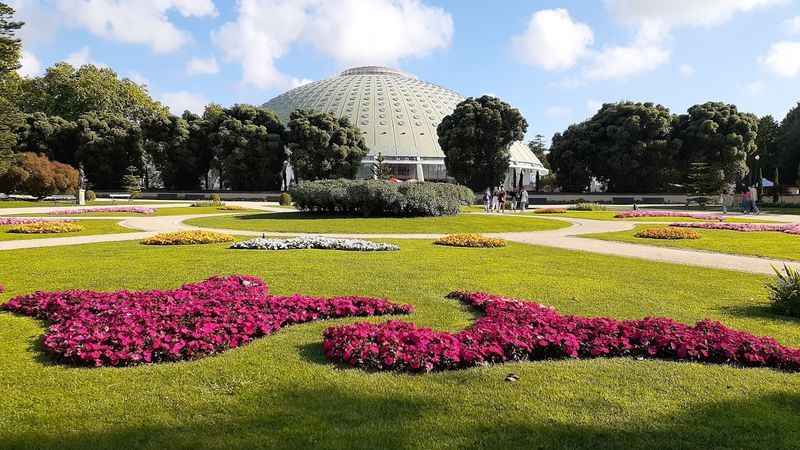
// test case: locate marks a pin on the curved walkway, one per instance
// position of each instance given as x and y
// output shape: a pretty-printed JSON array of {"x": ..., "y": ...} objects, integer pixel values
[{"x": 564, "y": 238}]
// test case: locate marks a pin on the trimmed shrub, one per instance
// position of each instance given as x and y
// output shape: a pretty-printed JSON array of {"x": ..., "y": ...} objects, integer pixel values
[
  {"x": 784, "y": 291},
  {"x": 232, "y": 208},
  {"x": 381, "y": 198},
  {"x": 90, "y": 196},
  {"x": 668, "y": 233},
  {"x": 46, "y": 228},
  {"x": 588, "y": 207},
  {"x": 550, "y": 211},
  {"x": 216, "y": 200},
  {"x": 470, "y": 240},
  {"x": 285, "y": 199},
  {"x": 188, "y": 238}
]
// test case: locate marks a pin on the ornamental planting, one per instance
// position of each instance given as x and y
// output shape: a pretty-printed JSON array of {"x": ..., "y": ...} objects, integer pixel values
[
  {"x": 315, "y": 242},
  {"x": 652, "y": 213},
  {"x": 789, "y": 228},
  {"x": 106, "y": 209},
  {"x": 196, "y": 320},
  {"x": 26, "y": 220},
  {"x": 46, "y": 228},
  {"x": 668, "y": 233},
  {"x": 515, "y": 330}
]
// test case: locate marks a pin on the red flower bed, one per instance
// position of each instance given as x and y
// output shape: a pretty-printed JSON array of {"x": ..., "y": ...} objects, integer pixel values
[
  {"x": 516, "y": 330},
  {"x": 195, "y": 320}
]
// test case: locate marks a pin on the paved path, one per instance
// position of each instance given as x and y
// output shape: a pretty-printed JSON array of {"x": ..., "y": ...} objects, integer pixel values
[{"x": 565, "y": 238}]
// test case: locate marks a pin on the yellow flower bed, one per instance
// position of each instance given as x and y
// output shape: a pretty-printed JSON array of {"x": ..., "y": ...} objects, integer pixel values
[
  {"x": 188, "y": 238},
  {"x": 47, "y": 228},
  {"x": 231, "y": 208},
  {"x": 668, "y": 233},
  {"x": 550, "y": 211},
  {"x": 470, "y": 240}
]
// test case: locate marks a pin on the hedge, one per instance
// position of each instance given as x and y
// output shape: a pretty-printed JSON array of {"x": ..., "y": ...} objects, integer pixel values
[{"x": 381, "y": 198}]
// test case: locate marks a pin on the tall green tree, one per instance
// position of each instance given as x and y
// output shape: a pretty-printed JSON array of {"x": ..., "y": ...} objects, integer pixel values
[
  {"x": 10, "y": 118},
  {"x": 166, "y": 140},
  {"x": 475, "y": 138},
  {"x": 720, "y": 135},
  {"x": 68, "y": 92},
  {"x": 539, "y": 148},
  {"x": 248, "y": 146},
  {"x": 569, "y": 160},
  {"x": 788, "y": 143},
  {"x": 324, "y": 146},
  {"x": 10, "y": 46},
  {"x": 108, "y": 145},
  {"x": 51, "y": 135}
]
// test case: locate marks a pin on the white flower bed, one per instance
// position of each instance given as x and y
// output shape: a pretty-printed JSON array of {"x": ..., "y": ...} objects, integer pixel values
[{"x": 317, "y": 242}]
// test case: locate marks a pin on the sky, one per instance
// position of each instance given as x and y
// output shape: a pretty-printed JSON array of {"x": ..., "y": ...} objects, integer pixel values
[{"x": 557, "y": 61}]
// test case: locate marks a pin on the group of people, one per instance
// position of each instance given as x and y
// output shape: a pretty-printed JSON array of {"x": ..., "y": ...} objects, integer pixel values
[
  {"x": 499, "y": 200},
  {"x": 749, "y": 200}
]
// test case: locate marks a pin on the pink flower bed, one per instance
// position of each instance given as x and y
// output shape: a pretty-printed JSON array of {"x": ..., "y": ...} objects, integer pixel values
[
  {"x": 791, "y": 228},
  {"x": 25, "y": 220},
  {"x": 515, "y": 330},
  {"x": 651, "y": 213},
  {"x": 193, "y": 321},
  {"x": 108, "y": 209}
]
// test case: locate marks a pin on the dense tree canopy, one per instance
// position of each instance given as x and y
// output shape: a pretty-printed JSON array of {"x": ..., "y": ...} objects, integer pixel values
[
  {"x": 68, "y": 92},
  {"x": 718, "y": 134},
  {"x": 539, "y": 148},
  {"x": 38, "y": 176},
  {"x": 108, "y": 145},
  {"x": 324, "y": 147},
  {"x": 50, "y": 135},
  {"x": 568, "y": 160},
  {"x": 767, "y": 146},
  {"x": 475, "y": 140},
  {"x": 165, "y": 140},
  {"x": 10, "y": 117},
  {"x": 627, "y": 146},
  {"x": 10, "y": 46},
  {"x": 788, "y": 143}
]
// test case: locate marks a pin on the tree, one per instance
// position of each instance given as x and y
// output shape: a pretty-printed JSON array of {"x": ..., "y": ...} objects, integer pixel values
[
  {"x": 568, "y": 159},
  {"x": 787, "y": 141},
  {"x": 10, "y": 49},
  {"x": 248, "y": 146},
  {"x": 108, "y": 145},
  {"x": 702, "y": 180},
  {"x": 720, "y": 135},
  {"x": 68, "y": 92},
  {"x": 131, "y": 181},
  {"x": 38, "y": 176},
  {"x": 475, "y": 138},
  {"x": 766, "y": 144},
  {"x": 51, "y": 135},
  {"x": 626, "y": 146},
  {"x": 539, "y": 149},
  {"x": 10, "y": 46},
  {"x": 380, "y": 170},
  {"x": 323, "y": 146},
  {"x": 166, "y": 140}
]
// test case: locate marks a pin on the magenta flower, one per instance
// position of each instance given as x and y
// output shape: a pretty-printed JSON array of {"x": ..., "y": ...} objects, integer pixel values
[
  {"x": 790, "y": 228},
  {"x": 26, "y": 220},
  {"x": 196, "y": 320},
  {"x": 105, "y": 209},
  {"x": 514, "y": 330},
  {"x": 654, "y": 213}
]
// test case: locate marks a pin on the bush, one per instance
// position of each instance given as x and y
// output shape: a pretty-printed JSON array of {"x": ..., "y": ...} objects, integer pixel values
[
  {"x": 588, "y": 207},
  {"x": 46, "y": 228},
  {"x": 668, "y": 233},
  {"x": 285, "y": 199},
  {"x": 188, "y": 238},
  {"x": 784, "y": 291},
  {"x": 231, "y": 208},
  {"x": 550, "y": 211},
  {"x": 216, "y": 200},
  {"x": 470, "y": 240},
  {"x": 38, "y": 176},
  {"x": 203, "y": 204},
  {"x": 380, "y": 198},
  {"x": 90, "y": 196}
]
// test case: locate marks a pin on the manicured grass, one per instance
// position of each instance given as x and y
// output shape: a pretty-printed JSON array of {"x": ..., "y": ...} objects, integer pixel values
[
  {"x": 279, "y": 392},
  {"x": 90, "y": 227},
  {"x": 32, "y": 204},
  {"x": 170, "y": 211},
  {"x": 766, "y": 244},
  {"x": 317, "y": 223}
]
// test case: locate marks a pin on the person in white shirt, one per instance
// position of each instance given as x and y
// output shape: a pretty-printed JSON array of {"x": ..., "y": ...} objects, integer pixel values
[{"x": 753, "y": 200}]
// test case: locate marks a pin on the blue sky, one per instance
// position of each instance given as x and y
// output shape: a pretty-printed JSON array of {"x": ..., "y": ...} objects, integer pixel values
[{"x": 557, "y": 61}]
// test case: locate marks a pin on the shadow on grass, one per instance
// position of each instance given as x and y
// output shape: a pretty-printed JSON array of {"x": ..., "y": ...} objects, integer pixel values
[
  {"x": 758, "y": 311},
  {"x": 293, "y": 216},
  {"x": 301, "y": 418}
]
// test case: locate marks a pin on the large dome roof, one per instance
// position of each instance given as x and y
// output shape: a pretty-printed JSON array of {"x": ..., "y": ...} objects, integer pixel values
[{"x": 397, "y": 113}]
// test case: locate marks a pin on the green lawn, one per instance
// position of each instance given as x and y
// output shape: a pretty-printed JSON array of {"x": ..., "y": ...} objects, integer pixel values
[
  {"x": 766, "y": 244},
  {"x": 279, "y": 392},
  {"x": 90, "y": 227},
  {"x": 317, "y": 223},
  {"x": 169, "y": 211},
  {"x": 32, "y": 204}
]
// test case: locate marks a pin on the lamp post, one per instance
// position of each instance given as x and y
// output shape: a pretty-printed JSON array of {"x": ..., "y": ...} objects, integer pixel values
[{"x": 757, "y": 172}]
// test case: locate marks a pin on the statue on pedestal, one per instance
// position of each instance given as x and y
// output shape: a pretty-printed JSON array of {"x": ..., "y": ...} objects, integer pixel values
[{"x": 287, "y": 173}]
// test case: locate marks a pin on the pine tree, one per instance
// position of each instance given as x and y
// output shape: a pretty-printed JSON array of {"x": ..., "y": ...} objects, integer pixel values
[
  {"x": 380, "y": 170},
  {"x": 131, "y": 181}
]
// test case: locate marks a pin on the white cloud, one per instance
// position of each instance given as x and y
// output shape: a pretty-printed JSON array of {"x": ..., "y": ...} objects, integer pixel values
[
  {"x": 200, "y": 66},
  {"x": 350, "y": 31},
  {"x": 686, "y": 70},
  {"x": 138, "y": 78},
  {"x": 81, "y": 58},
  {"x": 793, "y": 25},
  {"x": 41, "y": 21},
  {"x": 135, "y": 21},
  {"x": 755, "y": 88},
  {"x": 297, "y": 82},
  {"x": 30, "y": 65},
  {"x": 553, "y": 40},
  {"x": 558, "y": 112},
  {"x": 626, "y": 61},
  {"x": 181, "y": 101},
  {"x": 783, "y": 59}
]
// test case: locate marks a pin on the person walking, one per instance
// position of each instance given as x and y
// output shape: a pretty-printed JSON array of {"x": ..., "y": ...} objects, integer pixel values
[
  {"x": 513, "y": 200},
  {"x": 487, "y": 200},
  {"x": 501, "y": 197},
  {"x": 753, "y": 200},
  {"x": 746, "y": 201},
  {"x": 523, "y": 200},
  {"x": 495, "y": 200}
]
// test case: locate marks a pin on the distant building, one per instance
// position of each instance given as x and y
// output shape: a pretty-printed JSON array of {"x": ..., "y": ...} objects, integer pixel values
[{"x": 398, "y": 115}]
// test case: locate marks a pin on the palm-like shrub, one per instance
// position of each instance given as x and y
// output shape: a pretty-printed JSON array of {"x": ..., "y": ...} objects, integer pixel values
[{"x": 784, "y": 291}]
